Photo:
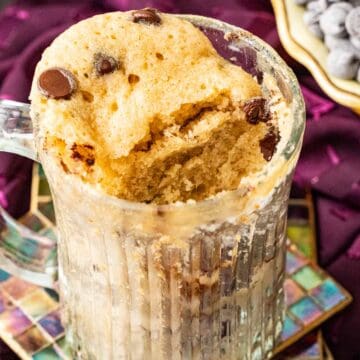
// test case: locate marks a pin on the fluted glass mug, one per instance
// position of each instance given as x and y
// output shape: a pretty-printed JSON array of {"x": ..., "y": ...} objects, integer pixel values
[{"x": 181, "y": 281}]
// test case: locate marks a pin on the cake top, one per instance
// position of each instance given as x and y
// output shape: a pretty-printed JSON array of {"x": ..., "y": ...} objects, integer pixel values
[
  {"x": 130, "y": 74},
  {"x": 124, "y": 91}
]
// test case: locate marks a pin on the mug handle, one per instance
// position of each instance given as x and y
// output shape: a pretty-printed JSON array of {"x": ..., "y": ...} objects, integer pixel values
[{"x": 23, "y": 252}]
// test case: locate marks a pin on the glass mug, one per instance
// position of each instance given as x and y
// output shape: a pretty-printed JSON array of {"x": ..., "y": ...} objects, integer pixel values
[{"x": 190, "y": 281}]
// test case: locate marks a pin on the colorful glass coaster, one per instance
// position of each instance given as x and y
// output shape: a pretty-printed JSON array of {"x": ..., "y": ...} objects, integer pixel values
[
  {"x": 302, "y": 232},
  {"x": 32, "y": 340},
  {"x": 30, "y": 315},
  {"x": 17, "y": 288},
  {"x": 32, "y": 222},
  {"x": 38, "y": 304},
  {"x": 5, "y": 302},
  {"x": 301, "y": 225},
  {"x": 52, "y": 324},
  {"x": 308, "y": 348},
  {"x": 311, "y": 297},
  {"x": 293, "y": 292},
  {"x": 30, "y": 319},
  {"x": 47, "y": 354},
  {"x": 14, "y": 321}
]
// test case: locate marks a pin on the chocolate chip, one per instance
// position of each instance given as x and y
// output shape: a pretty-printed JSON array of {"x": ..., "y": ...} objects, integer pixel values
[
  {"x": 259, "y": 77},
  {"x": 146, "y": 16},
  {"x": 269, "y": 142},
  {"x": 105, "y": 64},
  {"x": 143, "y": 146},
  {"x": 76, "y": 155},
  {"x": 256, "y": 109},
  {"x": 88, "y": 146},
  {"x": 88, "y": 97},
  {"x": 57, "y": 83},
  {"x": 133, "y": 78},
  {"x": 159, "y": 56},
  {"x": 83, "y": 153}
]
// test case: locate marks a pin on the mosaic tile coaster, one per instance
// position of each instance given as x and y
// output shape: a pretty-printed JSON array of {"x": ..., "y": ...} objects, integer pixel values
[
  {"x": 305, "y": 310},
  {"x": 32, "y": 222},
  {"x": 290, "y": 328},
  {"x": 307, "y": 277},
  {"x": 327, "y": 294},
  {"x": 301, "y": 225},
  {"x": 47, "y": 354},
  {"x": 52, "y": 324},
  {"x": 32, "y": 340},
  {"x": 14, "y": 321},
  {"x": 301, "y": 231},
  {"x": 311, "y": 297},
  {"x": 38, "y": 304},
  {"x": 63, "y": 347},
  {"x": 4, "y": 276},
  {"x": 308, "y": 348},
  {"x": 29, "y": 315},
  {"x": 294, "y": 263},
  {"x": 5, "y": 302},
  {"x": 30, "y": 322},
  {"x": 293, "y": 292},
  {"x": 17, "y": 288}
]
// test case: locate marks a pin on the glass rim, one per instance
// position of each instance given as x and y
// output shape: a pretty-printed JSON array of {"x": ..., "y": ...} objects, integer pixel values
[{"x": 291, "y": 148}]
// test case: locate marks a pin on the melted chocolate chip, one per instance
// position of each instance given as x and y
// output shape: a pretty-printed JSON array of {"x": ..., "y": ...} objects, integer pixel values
[
  {"x": 133, "y": 78},
  {"x": 105, "y": 64},
  {"x": 88, "y": 146},
  {"x": 76, "y": 155},
  {"x": 83, "y": 153},
  {"x": 268, "y": 143},
  {"x": 146, "y": 16},
  {"x": 105, "y": 67},
  {"x": 259, "y": 77},
  {"x": 256, "y": 109},
  {"x": 57, "y": 83}
]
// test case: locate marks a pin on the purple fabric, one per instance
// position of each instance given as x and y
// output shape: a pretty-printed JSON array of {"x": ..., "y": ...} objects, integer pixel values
[{"x": 329, "y": 164}]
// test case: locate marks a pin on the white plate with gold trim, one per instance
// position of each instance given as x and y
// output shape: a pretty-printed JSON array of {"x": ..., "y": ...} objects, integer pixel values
[{"x": 310, "y": 51}]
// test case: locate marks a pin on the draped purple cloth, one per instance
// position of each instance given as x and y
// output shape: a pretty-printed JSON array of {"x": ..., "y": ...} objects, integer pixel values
[{"x": 329, "y": 163}]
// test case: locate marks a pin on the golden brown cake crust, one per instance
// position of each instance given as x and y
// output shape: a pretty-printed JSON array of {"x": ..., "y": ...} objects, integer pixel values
[{"x": 156, "y": 114}]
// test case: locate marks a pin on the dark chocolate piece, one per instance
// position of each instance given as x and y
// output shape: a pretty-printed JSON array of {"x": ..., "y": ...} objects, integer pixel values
[
  {"x": 105, "y": 64},
  {"x": 57, "y": 83},
  {"x": 268, "y": 143},
  {"x": 133, "y": 78},
  {"x": 83, "y": 153},
  {"x": 256, "y": 109},
  {"x": 146, "y": 16}
]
